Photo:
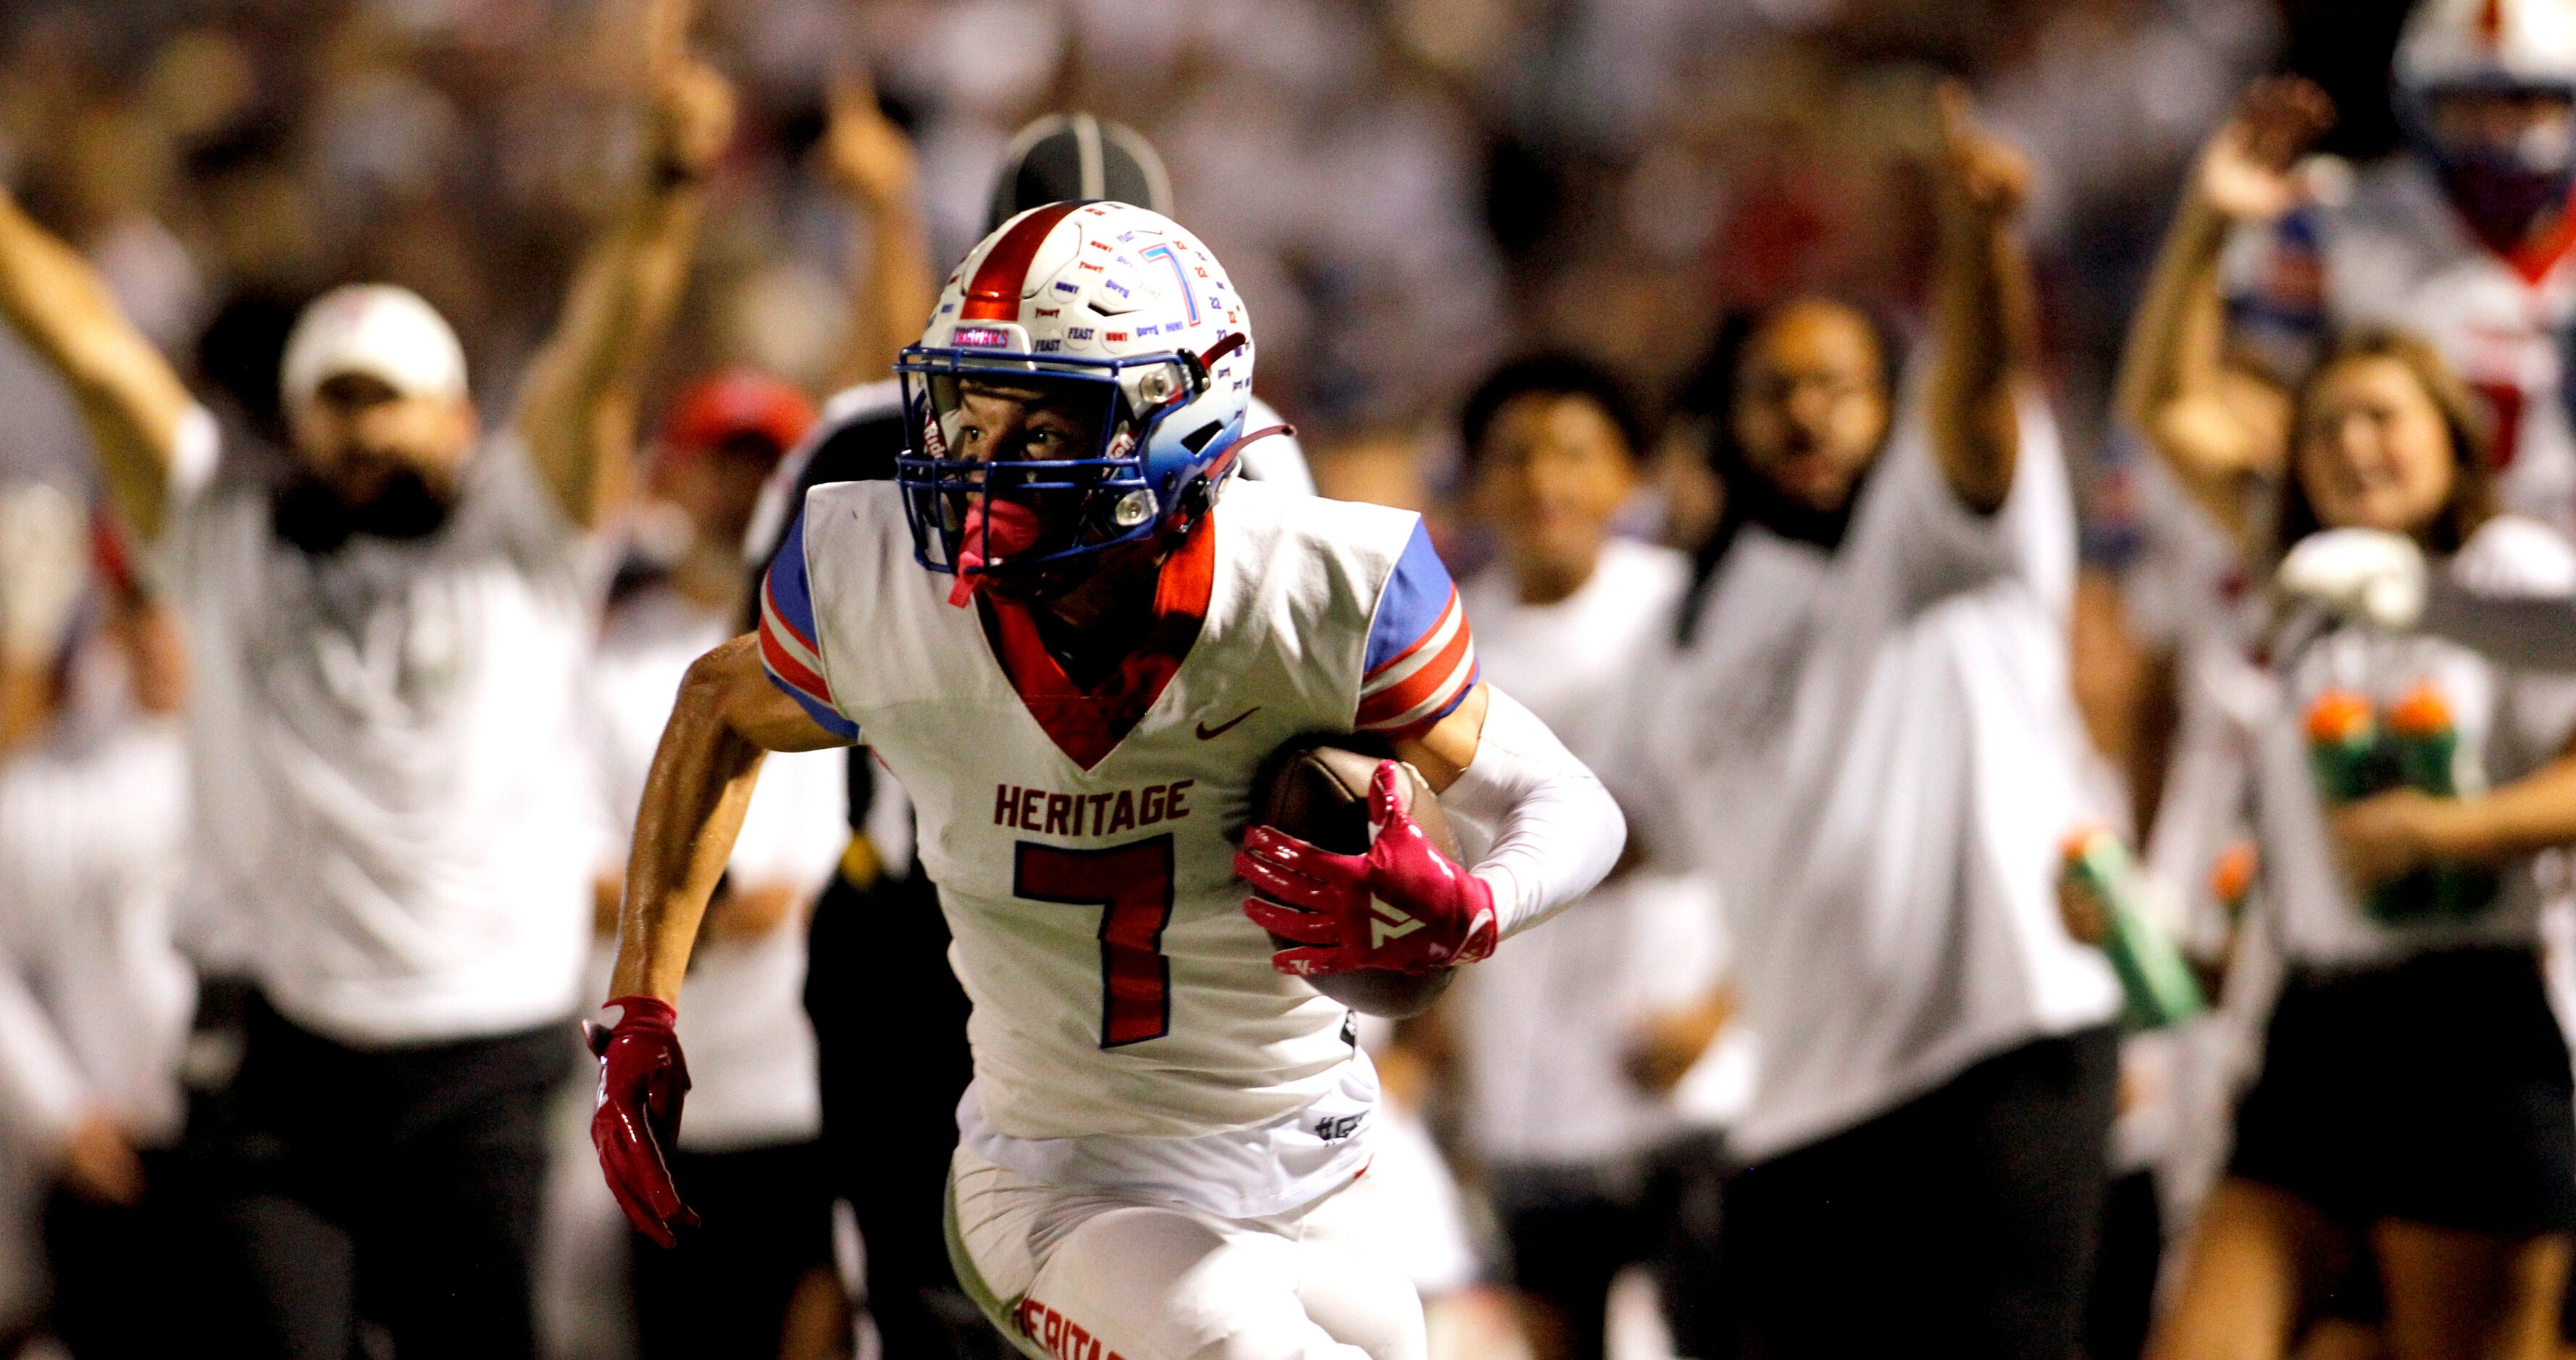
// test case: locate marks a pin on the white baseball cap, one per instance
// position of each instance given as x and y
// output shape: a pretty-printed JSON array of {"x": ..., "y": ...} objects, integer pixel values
[{"x": 377, "y": 329}]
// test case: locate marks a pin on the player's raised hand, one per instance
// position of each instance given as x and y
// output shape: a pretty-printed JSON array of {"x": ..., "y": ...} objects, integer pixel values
[
  {"x": 2246, "y": 170},
  {"x": 642, "y": 1079},
  {"x": 690, "y": 117},
  {"x": 864, "y": 152},
  {"x": 1404, "y": 906},
  {"x": 1984, "y": 180}
]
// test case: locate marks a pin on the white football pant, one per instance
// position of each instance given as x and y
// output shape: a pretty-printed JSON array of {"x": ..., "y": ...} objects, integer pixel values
[{"x": 1079, "y": 1274}]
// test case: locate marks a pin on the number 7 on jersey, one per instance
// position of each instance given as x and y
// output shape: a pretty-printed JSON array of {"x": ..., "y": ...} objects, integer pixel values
[{"x": 1133, "y": 883}]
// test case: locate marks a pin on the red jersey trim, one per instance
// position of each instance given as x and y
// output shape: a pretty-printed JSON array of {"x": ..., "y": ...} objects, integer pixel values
[{"x": 1088, "y": 724}]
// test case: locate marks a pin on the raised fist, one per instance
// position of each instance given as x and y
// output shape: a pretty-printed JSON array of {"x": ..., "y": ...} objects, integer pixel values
[
  {"x": 689, "y": 115},
  {"x": 865, "y": 154},
  {"x": 2245, "y": 171}
]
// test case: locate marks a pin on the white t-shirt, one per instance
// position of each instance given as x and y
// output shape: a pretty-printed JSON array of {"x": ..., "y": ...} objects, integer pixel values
[
  {"x": 91, "y": 828},
  {"x": 2509, "y": 723},
  {"x": 1873, "y": 751},
  {"x": 1544, "y": 1026},
  {"x": 742, "y": 1017},
  {"x": 384, "y": 743}
]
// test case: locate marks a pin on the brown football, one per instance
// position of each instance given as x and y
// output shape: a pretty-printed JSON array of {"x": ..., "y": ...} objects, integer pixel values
[{"x": 1317, "y": 790}]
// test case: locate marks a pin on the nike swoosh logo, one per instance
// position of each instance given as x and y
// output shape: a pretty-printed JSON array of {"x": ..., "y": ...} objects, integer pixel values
[{"x": 1207, "y": 733}]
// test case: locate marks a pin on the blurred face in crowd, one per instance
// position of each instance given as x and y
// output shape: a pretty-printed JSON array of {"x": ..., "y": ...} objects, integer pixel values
[
  {"x": 365, "y": 441},
  {"x": 1553, "y": 471},
  {"x": 1811, "y": 404},
  {"x": 2374, "y": 451},
  {"x": 720, "y": 486}
]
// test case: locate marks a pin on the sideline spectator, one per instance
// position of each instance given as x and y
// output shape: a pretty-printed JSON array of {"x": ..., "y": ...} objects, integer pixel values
[
  {"x": 93, "y": 814},
  {"x": 1873, "y": 751},
  {"x": 386, "y": 798},
  {"x": 1565, "y": 620},
  {"x": 757, "y": 1278}
]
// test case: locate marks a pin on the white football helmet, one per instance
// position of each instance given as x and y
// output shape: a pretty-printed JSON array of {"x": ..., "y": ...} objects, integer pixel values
[
  {"x": 2500, "y": 45},
  {"x": 1084, "y": 302}
]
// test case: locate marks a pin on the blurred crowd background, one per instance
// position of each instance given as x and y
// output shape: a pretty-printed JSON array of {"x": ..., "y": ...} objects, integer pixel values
[{"x": 1407, "y": 190}]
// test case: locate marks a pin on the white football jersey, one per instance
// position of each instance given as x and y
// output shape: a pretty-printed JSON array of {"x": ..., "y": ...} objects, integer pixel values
[
  {"x": 1128, "y": 1027},
  {"x": 2397, "y": 254}
]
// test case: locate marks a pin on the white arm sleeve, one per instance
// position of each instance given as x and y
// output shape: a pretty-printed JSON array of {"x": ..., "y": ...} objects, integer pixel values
[
  {"x": 42, "y": 1091},
  {"x": 1557, "y": 831}
]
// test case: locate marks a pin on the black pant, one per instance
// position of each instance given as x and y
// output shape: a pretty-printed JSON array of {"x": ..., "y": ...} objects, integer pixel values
[
  {"x": 106, "y": 1256},
  {"x": 396, "y": 1186},
  {"x": 2434, "y": 1089},
  {"x": 765, "y": 1222},
  {"x": 1960, "y": 1223},
  {"x": 1572, "y": 1230},
  {"x": 890, "y": 1029},
  {"x": 2122, "y": 1304},
  {"x": 1686, "y": 1192}
]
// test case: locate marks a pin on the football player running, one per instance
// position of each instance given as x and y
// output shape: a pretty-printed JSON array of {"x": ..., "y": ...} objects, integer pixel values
[{"x": 1074, "y": 640}]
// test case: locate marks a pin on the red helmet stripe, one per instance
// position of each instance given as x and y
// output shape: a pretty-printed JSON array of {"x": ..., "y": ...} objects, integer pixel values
[
  {"x": 2491, "y": 22},
  {"x": 994, "y": 293}
]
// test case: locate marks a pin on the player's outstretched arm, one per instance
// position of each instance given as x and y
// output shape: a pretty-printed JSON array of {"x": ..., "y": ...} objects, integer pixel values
[
  {"x": 873, "y": 162},
  {"x": 1984, "y": 315},
  {"x": 2216, "y": 426},
  {"x": 579, "y": 415},
  {"x": 727, "y": 715},
  {"x": 131, "y": 400}
]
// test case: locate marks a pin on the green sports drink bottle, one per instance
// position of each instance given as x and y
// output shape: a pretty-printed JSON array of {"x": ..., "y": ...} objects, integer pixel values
[
  {"x": 2426, "y": 742},
  {"x": 2156, "y": 983},
  {"x": 2343, "y": 747},
  {"x": 2353, "y": 760}
]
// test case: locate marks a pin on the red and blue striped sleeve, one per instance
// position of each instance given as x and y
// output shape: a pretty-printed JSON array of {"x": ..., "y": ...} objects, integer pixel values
[
  {"x": 788, "y": 647},
  {"x": 1421, "y": 660}
]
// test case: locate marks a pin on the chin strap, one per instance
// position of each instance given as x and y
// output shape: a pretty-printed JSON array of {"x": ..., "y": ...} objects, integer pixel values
[{"x": 1201, "y": 496}]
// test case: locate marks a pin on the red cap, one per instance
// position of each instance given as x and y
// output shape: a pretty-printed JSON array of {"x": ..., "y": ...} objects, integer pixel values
[{"x": 732, "y": 404}]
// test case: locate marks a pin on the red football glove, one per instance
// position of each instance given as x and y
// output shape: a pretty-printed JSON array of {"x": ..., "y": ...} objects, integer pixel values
[
  {"x": 641, "y": 1080},
  {"x": 1403, "y": 906}
]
